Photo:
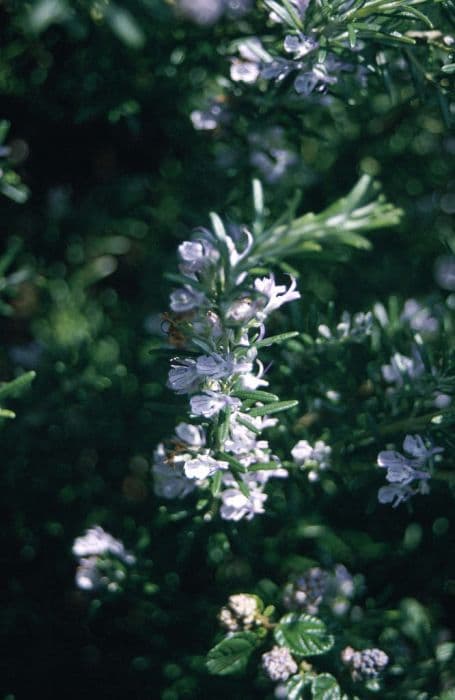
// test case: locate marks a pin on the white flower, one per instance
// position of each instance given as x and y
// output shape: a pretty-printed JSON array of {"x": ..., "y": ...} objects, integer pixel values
[
  {"x": 275, "y": 294},
  {"x": 279, "y": 664},
  {"x": 250, "y": 381},
  {"x": 210, "y": 403},
  {"x": 236, "y": 505},
  {"x": 97, "y": 541},
  {"x": 302, "y": 451},
  {"x": 186, "y": 299},
  {"x": 203, "y": 466},
  {"x": 263, "y": 475},
  {"x": 88, "y": 576},
  {"x": 306, "y": 455},
  {"x": 244, "y": 71},
  {"x": 183, "y": 377}
]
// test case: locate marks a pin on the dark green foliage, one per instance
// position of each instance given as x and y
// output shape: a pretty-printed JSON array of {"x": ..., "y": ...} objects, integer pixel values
[{"x": 96, "y": 99}]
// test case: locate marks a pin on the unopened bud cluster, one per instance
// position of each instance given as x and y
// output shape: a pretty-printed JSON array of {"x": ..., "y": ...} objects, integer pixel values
[
  {"x": 240, "y": 613},
  {"x": 366, "y": 664},
  {"x": 279, "y": 664}
]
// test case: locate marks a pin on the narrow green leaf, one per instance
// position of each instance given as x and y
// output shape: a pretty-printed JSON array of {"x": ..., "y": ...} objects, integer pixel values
[
  {"x": 258, "y": 199},
  {"x": 215, "y": 484},
  {"x": 303, "y": 634},
  {"x": 218, "y": 227},
  {"x": 235, "y": 465},
  {"x": 231, "y": 655},
  {"x": 448, "y": 68},
  {"x": 182, "y": 279},
  {"x": 272, "y": 408},
  {"x": 248, "y": 424},
  {"x": 263, "y": 466},
  {"x": 275, "y": 339},
  {"x": 255, "y": 395},
  {"x": 243, "y": 488},
  {"x": 5, "y": 413},
  {"x": 222, "y": 430},
  {"x": 325, "y": 687},
  {"x": 281, "y": 12},
  {"x": 15, "y": 387}
]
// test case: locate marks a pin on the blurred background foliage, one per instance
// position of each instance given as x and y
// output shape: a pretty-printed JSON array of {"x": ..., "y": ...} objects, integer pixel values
[{"x": 98, "y": 98}]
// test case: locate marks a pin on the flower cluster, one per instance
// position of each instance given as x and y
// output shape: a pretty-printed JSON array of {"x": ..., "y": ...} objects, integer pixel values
[
  {"x": 355, "y": 327},
  {"x": 407, "y": 474},
  {"x": 220, "y": 312},
  {"x": 279, "y": 664},
  {"x": 317, "y": 586},
  {"x": 314, "y": 74},
  {"x": 314, "y": 459},
  {"x": 240, "y": 613},
  {"x": 364, "y": 665},
  {"x": 403, "y": 368},
  {"x": 101, "y": 560}
]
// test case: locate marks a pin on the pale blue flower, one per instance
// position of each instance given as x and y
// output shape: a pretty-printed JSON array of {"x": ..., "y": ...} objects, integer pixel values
[
  {"x": 402, "y": 366},
  {"x": 404, "y": 473},
  {"x": 186, "y": 299},
  {"x": 183, "y": 377},
  {"x": 299, "y": 45},
  {"x": 211, "y": 402},
  {"x": 419, "y": 317},
  {"x": 196, "y": 255}
]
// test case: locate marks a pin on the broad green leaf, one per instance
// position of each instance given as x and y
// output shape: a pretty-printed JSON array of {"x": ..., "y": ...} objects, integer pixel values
[
  {"x": 231, "y": 655},
  {"x": 303, "y": 634},
  {"x": 295, "y": 686},
  {"x": 325, "y": 687}
]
